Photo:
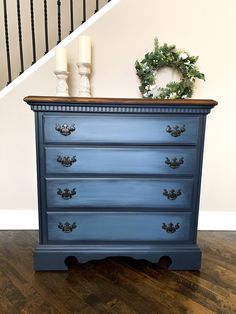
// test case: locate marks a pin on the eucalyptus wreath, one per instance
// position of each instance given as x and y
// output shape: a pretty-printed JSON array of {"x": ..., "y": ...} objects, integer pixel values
[{"x": 167, "y": 56}]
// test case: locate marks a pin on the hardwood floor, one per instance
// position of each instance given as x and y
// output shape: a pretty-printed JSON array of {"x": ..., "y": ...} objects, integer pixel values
[{"x": 118, "y": 285}]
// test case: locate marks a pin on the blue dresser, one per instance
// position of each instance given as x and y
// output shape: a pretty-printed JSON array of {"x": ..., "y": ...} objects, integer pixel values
[{"x": 118, "y": 177}]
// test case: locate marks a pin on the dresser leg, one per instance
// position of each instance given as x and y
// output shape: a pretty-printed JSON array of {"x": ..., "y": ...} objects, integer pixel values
[{"x": 45, "y": 261}]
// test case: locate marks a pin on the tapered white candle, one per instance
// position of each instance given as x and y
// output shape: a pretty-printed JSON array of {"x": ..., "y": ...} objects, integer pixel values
[
  {"x": 84, "y": 49},
  {"x": 61, "y": 59}
]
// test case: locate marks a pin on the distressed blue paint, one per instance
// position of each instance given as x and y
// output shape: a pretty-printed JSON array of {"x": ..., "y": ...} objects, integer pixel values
[
  {"x": 120, "y": 160},
  {"x": 115, "y": 226},
  {"x": 119, "y": 177},
  {"x": 120, "y": 129},
  {"x": 183, "y": 256},
  {"x": 142, "y": 193}
]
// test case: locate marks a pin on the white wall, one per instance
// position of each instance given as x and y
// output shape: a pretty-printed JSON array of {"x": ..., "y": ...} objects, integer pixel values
[{"x": 123, "y": 35}]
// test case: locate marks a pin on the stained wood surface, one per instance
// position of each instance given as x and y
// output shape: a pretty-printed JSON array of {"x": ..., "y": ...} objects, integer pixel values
[
  {"x": 115, "y": 101},
  {"x": 117, "y": 285}
]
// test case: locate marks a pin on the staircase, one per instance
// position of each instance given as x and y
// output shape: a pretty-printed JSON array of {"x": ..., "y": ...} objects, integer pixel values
[{"x": 30, "y": 28}]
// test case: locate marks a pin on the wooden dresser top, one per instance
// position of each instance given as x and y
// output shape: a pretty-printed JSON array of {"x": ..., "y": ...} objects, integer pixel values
[{"x": 119, "y": 101}]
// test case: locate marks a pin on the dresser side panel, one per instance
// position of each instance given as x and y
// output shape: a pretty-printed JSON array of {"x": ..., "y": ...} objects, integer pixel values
[
  {"x": 40, "y": 178},
  {"x": 198, "y": 173}
]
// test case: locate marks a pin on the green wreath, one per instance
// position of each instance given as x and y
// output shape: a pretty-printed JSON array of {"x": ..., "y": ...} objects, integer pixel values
[{"x": 168, "y": 56}]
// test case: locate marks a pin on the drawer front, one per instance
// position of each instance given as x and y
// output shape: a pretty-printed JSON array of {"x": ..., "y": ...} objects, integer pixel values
[
  {"x": 118, "y": 226},
  {"x": 120, "y": 129},
  {"x": 120, "y": 161},
  {"x": 146, "y": 193}
]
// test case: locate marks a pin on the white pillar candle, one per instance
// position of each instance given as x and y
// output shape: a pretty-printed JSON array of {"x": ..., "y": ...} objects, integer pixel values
[
  {"x": 84, "y": 49},
  {"x": 61, "y": 59}
]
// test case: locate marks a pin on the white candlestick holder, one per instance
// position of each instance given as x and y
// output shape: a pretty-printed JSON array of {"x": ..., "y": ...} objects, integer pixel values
[
  {"x": 62, "y": 87},
  {"x": 84, "y": 84}
]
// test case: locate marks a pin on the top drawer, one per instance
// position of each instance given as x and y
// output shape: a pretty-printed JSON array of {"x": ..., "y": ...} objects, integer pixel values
[{"x": 115, "y": 129}]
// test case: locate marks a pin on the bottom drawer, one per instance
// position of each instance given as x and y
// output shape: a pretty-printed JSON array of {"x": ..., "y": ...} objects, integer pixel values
[{"x": 113, "y": 226}]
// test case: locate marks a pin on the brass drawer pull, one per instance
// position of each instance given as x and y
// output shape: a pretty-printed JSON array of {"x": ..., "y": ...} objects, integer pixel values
[
  {"x": 172, "y": 194},
  {"x": 66, "y": 161},
  {"x": 65, "y": 129},
  {"x": 67, "y": 227},
  {"x": 174, "y": 163},
  {"x": 170, "y": 228},
  {"x": 176, "y": 130},
  {"x": 66, "y": 194}
]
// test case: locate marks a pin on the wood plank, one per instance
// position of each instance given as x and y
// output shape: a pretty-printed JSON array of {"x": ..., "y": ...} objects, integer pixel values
[{"x": 117, "y": 285}]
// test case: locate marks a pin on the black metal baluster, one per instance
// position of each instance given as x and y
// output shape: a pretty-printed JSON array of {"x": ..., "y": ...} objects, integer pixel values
[
  {"x": 7, "y": 42},
  {"x": 46, "y": 25},
  {"x": 33, "y": 30},
  {"x": 71, "y": 16},
  {"x": 59, "y": 20},
  {"x": 84, "y": 11},
  {"x": 97, "y": 6},
  {"x": 20, "y": 37}
]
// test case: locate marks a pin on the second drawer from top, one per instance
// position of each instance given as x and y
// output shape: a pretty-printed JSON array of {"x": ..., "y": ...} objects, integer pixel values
[{"x": 152, "y": 161}]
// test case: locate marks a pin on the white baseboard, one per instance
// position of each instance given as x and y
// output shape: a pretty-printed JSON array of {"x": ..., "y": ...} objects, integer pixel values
[
  {"x": 19, "y": 219},
  {"x": 214, "y": 220},
  {"x": 28, "y": 220}
]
